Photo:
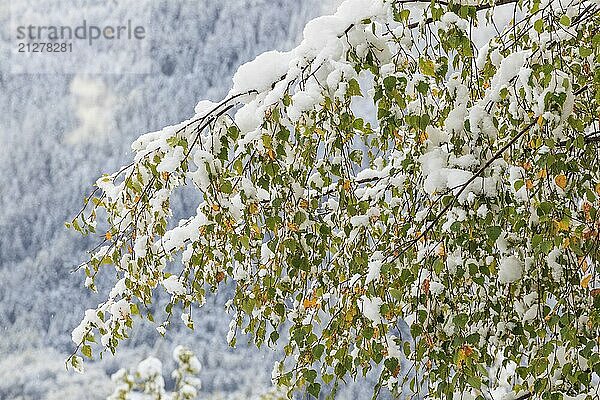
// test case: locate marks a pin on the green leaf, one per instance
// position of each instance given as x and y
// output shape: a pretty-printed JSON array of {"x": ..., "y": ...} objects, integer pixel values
[
  {"x": 493, "y": 232},
  {"x": 584, "y": 51},
  {"x": 318, "y": 351},
  {"x": 474, "y": 381},
  {"x": 314, "y": 389},
  {"x": 395, "y": 293},
  {"x": 86, "y": 351},
  {"x": 427, "y": 67},
  {"x": 353, "y": 88}
]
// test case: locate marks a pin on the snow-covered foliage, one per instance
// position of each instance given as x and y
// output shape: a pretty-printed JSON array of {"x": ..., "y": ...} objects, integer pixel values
[
  {"x": 147, "y": 382},
  {"x": 444, "y": 211}
]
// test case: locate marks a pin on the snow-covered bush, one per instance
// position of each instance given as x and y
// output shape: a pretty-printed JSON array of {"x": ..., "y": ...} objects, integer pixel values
[
  {"x": 462, "y": 201},
  {"x": 147, "y": 382}
]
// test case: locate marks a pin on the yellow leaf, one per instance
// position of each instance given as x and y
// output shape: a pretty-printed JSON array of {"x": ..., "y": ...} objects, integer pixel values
[
  {"x": 216, "y": 207},
  {"x": 528, "y": 184},
  {"x": 585, "y": 281},
  {"x": 561, "y": 181},
  {"x": 310, "y": 303},
  {"x": 584, "y": 265},
  {"x": 461, "y": 357},
  {"x": 598, "y": 189},
  {"x": 346, "y": 185},
  {"x": 349, "y": 315},
  {"x": 540, "y": 121},
  {"x": 108, "y": 235},
  {"x": 562, "y": 225},
  {"x": 253, "y": 208},
  {"x": 542, "y": 174}
]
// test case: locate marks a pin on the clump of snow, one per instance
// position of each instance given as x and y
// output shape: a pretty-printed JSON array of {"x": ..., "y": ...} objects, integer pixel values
[
  {"x": 554, "y": 265},
  {"x": 437, "y": 136},
  {"x": 393, "y": 349},
  {"x": 247, "y": 119},
  {"x": 121, "y": 309},
  {"x": 510, "y": 269},
  {"x": 374, "y": 268},
  {"x": 509, "y": 68},
  {"x": 260, "y": 73},
  {"x": 436, "y": 288},
  {"x": 370, "y": 308},
  {"x": 204, "y": 107},
  {"x": 451, "y": 18},
  {"x": 140, "y": 247},
  {"x": 149, "y": 368},
  {"x": 173, "y": 285}
]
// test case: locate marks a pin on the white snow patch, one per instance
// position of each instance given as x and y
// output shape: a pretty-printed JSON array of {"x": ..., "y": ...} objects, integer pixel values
[{"x": 510, "y": 269}]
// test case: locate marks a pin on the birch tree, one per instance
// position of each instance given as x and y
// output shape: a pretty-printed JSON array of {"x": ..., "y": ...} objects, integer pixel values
[{"x": 410, "y": 162}]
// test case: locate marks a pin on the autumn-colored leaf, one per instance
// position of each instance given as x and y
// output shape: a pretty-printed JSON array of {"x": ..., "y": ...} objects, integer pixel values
[
  {"x": 426, "y": 285},
  {"x": 583, "y": 264},
  {"x": 585, "y": 281},
  {"x": 468, "y": 350},
  {"x": 542, "y": 174},
  {"x": 108, "y": 235},
  {"x": 529, "y": 184},
  {"x": 441, "y": 251},
  {"x": 253, "y": 208},
  {"x": 561, "y": 181},
  {"x": 349, "y": 315},
  {"x": 310, "y": 303}
]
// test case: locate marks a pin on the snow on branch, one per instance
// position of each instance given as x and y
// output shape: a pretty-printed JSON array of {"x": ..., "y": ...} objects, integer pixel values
[{"x": 401, "y": 166}]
